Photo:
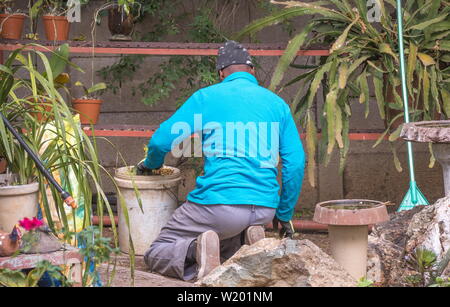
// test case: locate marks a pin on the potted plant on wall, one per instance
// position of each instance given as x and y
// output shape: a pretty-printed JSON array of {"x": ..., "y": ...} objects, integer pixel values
[
  {"x": 11, "y": 23},
  {"x": 363, "y": 51},
  {"x": 121, "y": 18},
  {"x": 89, "y": 105},
  {"x": 56, "y": 24}
]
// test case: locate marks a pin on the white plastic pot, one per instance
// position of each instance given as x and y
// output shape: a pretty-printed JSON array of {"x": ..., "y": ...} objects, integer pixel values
[
  {"x": 159, "y": 197},
  {"x": 17, "y": 202}
]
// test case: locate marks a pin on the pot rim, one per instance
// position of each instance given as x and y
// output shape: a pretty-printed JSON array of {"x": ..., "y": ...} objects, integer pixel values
[
  {"x": 54, "y": 17},
  {"x": 87, "y": 101},
  {"x": 13, "y": 15},
  {"x": 20, "y": 189}
]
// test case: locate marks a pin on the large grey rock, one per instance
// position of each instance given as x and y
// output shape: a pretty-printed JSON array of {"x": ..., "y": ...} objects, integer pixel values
[
  {"x": 277, "y": 263},
  {"x": 393, "y": 242},
  {"x": 430, "y": 229}
]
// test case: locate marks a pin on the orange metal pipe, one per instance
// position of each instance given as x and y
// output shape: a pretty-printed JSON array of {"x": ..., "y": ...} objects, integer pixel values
[
  {"x": 106, "y": 220},
  {"x": 302, "y": 225},
  {"x": 299, "y": 225}
]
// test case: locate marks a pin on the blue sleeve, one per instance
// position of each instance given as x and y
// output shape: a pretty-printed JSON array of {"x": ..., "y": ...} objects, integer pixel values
[
  {"x": 173, "y": 131},
  {"x": 293, "y": 167}
]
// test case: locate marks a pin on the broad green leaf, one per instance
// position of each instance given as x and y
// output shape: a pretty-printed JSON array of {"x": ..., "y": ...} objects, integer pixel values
[
  {"x": 397, "y": 163},
  {"x": 426, "y": 89},
  {"x": 426, "y": 59},
  {"x": 343, "y": 74},
  {"x": 446, "y": 101},
  {"x": 379, "y": 95},
  {"x": 364, "y": 97},
  {"x": 412, "y": 60},
  {"x": 330, "y": 110},
  {"x": 338, "y": 127},
  {"x": 275, "y": 18},
  {"x": 316, "y": 82},
  {"x": 340, "y": 41},
  {"x": 97, "y": 87},
  {"x": 289, "y": 54},
  {"x": 311, "y": 136},
  {"x": 396, "y": 134},
  {"x": 386, "y": 48},
  {"x": 426, "y": 24}
]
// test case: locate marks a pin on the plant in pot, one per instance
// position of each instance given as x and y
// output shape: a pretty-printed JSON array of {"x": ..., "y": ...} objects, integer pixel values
[
  {"x": 89, "y": 105},
  {"x": 66, "y": 151},
  {"x": 56, "y": 23},
  {"x": 11, "y": 22},
  {"x": 40, "y": 106},
  {"x": 363, "y": 51},
  {"x": 121, "y": 18}
]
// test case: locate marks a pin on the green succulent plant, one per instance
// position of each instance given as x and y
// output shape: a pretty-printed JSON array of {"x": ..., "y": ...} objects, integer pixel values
[{"x": 363, "y": 55}]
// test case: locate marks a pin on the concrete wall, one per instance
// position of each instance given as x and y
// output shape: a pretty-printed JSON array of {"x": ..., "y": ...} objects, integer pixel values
[{"x": 369, "y": 172}]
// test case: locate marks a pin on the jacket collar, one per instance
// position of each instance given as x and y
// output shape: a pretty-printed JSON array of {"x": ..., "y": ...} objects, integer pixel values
[{"x": 241, "y": 75}]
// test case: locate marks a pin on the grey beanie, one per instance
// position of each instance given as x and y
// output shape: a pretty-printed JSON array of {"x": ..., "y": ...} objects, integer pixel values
[{"x": 233, "y": 53}]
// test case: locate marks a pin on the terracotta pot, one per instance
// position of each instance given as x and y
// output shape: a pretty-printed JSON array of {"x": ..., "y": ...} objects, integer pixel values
[
  {"x": 11, "y": 25},
  {"x": 120, "y": 24},
  {"x": 3, "y": 165},
  {"x": 56, "y": 27},
  {"x": 89, "y": 109},
  {"x": 41, "y": 110}
]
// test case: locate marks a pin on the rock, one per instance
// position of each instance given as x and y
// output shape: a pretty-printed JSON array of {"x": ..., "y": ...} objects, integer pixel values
[
  {"x": 430, "y": 229},
  {"x": 392, "y": 242},
  {"x": 278, "y": 263}
]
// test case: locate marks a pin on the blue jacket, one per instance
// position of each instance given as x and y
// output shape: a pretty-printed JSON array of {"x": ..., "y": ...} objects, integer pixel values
[{"x": 244, "y": 129}]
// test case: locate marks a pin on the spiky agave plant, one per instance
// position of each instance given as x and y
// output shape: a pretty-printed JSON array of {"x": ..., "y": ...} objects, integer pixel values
[{"x": 362, "y": 53}]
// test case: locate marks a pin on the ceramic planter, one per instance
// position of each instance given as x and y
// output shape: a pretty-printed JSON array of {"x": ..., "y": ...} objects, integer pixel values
[
  {"x": 56, "y": 27},
  {"x": 11, "y": 25},
  {"x": 17, "y": 202},
  {"x": 89, "y": 109}
]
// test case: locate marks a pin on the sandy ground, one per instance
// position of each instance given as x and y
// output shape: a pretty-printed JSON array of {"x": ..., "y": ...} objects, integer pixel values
[{"x": 143, "y": 278}]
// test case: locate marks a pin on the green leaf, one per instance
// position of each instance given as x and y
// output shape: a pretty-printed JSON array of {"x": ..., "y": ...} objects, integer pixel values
[
  {"x": 340, "y": 41},
  {"x": 426, "y": 24},
  {"x": 396, "y": 134},
  {"x": 426, "y": 89},
  {"x": 289, "y": 54},
  {"x": 379, "y": 95},
  {"x": 426, "y": 59},
  {"x": 96, "y": 87},
  {"x": 311, "y": 136},
  {"x": 330, "y": 107},
  {"x": 446, "y": 101},
  {"x": 343, "y": 75},
  {"x": 316, "y": 82},
  {"x": 386, "y": 48},
  {"x": 412, "y": 60},
  {"x": 58, "y": 60},
  {"x": 397, "y": 163}
]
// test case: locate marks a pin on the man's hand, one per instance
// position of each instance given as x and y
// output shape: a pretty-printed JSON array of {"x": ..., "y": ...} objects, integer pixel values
[
  {"x": 141, "y": 170},
  {"x": 287, "y": 228}
]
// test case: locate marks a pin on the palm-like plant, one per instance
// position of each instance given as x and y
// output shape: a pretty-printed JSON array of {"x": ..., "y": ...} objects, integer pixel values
[
  {"x": 61, "y": 143},
  {"x": 362, "y": 53}
]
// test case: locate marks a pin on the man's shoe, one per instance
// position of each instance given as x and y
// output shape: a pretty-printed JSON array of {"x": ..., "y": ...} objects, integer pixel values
[
  {"x": 253, "y": 234},
  {"x": 208, "y": 253}
]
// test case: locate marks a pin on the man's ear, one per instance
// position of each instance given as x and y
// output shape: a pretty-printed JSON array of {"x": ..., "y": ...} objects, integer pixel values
[{"x": 221, "y": 75}]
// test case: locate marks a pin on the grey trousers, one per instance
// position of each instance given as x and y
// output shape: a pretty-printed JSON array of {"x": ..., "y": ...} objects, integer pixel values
[{"x": 171, "y": 253}]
